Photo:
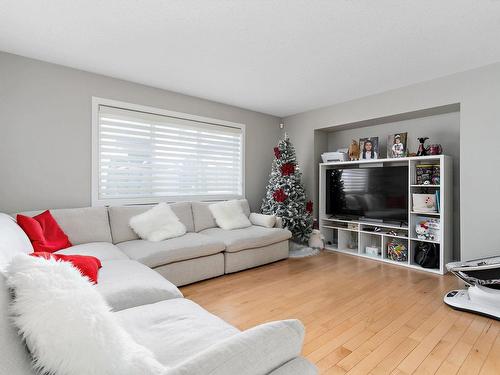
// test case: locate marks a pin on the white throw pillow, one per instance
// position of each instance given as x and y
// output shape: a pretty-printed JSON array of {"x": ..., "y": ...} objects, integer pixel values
[
  {"x": 157, "y": 224},
  {"x": 268, "y": 221},
  {"x": 68, "y": 326},
  {"x": 229, "y": 215}
]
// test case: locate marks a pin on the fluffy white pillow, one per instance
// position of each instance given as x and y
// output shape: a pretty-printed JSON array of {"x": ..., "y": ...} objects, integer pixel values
[
  {"x": 268, "y": 221},
  {"x": 68, "y": 326},
  {"x": 229, "y": 215},
  {"x": 157, "y": 224}
]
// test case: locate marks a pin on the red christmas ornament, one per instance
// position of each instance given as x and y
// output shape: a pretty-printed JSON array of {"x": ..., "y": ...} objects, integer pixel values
[
  {"x": 309, "y": 207},
  {"x": 287, "y": 169},
  {"x": 277, "y": 153},
  {"x": 279, "y": 195}
]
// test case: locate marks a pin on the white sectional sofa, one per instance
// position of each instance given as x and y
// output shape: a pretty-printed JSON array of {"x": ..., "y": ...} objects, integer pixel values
[
  {"x": 205, "y": 251},
  {"x": 148, "y": 304}
]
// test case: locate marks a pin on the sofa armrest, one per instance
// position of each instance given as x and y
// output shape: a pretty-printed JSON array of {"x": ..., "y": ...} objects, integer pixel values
[{"x": 259, "y": 350}]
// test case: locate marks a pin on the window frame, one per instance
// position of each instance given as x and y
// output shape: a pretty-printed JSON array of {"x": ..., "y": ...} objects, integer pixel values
[{"x": 96, "y": 201}]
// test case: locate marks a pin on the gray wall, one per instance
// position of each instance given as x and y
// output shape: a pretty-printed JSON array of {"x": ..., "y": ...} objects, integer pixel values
[
  {"x": 443, "y": 129},
  {"x": 45, "y": 132},
  {"x": 478, "y": 93}
]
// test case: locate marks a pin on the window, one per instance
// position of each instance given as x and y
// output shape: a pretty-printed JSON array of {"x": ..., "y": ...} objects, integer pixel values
[{"x": 142, "y": 154}]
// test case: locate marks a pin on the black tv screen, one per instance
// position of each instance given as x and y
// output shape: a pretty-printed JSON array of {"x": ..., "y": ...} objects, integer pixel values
[{"x": 379, "y": 193}]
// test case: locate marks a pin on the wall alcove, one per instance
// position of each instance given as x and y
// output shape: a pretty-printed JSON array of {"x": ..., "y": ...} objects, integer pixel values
[{"x": 441, "y": 124}]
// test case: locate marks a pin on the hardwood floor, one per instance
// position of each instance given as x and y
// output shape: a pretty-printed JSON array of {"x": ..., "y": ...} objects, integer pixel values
[{"x": 361, "y": 316}]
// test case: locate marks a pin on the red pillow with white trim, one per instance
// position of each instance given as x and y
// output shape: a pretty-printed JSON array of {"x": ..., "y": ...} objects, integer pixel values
[
  {"x": 86, "y": 264},
  {"x": 44, "y": 232}
]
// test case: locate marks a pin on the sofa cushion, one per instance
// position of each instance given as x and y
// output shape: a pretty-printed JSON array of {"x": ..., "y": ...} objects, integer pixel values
[
  {"x": 203, "y": 218},
  {"x": 127, "y": 283},
  {"x": 175, "y": 329},
  {"x": 247, "y": 238},
  {"x": 82, "y": 225},
  {"x": 120, "y": 216},
  {"x": 256, "y": 351},
  {"x": 100, "y": 250},
  {"x": 154, "y": 254},
  {"x": 13, "y": 240}
]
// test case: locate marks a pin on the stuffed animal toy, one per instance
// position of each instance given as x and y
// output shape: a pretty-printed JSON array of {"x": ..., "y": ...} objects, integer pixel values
[
  {"x": 354, "y": 150},
  {"x": 422, "y": 230},
  {"x": 317, "y": 240}
]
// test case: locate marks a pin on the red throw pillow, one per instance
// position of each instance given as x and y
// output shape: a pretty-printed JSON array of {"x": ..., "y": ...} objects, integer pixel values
[
  {"x": 44, "y": 232},
  {"x": 87, "y": 265}
]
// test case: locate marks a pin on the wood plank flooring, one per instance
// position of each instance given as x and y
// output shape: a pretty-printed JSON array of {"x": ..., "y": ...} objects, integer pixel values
[{"x": 361, "y": 316}]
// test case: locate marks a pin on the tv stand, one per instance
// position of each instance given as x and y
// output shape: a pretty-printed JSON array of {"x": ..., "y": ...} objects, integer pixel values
[{"x": 358, "y": 236}]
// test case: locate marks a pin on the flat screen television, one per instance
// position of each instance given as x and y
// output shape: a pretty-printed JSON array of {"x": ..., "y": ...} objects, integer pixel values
[{"x": 377, "y": 193}]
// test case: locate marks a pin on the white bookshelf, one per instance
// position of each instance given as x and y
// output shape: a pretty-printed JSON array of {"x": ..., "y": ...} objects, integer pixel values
[{"x": 352, "y": 236}]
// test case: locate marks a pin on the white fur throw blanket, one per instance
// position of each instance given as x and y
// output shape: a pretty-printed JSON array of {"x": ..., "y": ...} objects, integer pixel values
[
  {"x": 68, "y": 326},
  {"x": 70, "y": 330}
]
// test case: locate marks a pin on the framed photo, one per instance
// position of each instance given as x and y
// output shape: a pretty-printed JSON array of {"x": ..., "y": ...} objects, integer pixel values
[
  {"x": 368, "y": 148},
  {"x": 396, "y": 145}
]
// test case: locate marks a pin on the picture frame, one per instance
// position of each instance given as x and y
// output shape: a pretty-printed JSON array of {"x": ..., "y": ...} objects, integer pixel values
[
  {"x": 369, "y": 148},
  {"x": 397, "y": 145}
]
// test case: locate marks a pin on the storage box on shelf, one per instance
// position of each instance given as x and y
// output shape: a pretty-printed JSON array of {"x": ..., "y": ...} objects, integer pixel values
[
  {"x": 370, "y": 244},
  {"x": 396, "y": 243}
]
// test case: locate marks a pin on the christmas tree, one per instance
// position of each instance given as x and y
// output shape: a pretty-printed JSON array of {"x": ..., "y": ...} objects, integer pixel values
[{"x": 285, "y": 195}]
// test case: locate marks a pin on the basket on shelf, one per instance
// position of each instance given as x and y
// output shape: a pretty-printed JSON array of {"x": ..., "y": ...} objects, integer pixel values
[{"x": 397, "y": 251}]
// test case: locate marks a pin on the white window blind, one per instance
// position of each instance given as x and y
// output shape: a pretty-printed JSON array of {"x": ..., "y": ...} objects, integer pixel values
[{"x": 152, "y": 157}]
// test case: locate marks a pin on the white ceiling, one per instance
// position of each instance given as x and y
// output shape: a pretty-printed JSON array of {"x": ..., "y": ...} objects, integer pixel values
[{"x": 278, "y": 57}]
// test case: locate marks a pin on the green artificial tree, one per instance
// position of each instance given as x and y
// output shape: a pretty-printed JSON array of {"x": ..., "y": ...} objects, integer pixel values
[{"x": 285, "y": 194}]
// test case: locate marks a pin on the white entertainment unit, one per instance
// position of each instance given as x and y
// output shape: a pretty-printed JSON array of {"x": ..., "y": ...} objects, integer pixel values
[{"x": 354, "y": 236}]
